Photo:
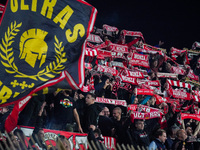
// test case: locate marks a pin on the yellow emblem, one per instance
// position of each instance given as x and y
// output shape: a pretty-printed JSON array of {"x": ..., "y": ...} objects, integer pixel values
[{"x": 32, "y": 46}]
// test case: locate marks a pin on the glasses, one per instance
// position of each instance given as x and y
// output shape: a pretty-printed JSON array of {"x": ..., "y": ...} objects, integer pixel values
[{"x": 15, "y": 139}]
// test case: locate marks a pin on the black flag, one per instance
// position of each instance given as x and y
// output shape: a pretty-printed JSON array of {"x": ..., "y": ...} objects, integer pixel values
[{"x": 42, "y": 43}]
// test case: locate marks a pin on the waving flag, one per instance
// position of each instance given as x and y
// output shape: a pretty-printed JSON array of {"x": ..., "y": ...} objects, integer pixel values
[
  {"x": 40, "y": 40},
  {"x": 42, "y": 44}
]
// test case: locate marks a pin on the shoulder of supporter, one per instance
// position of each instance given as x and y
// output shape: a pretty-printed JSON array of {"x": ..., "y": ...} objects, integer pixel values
[{"x": 152, "y": 146}]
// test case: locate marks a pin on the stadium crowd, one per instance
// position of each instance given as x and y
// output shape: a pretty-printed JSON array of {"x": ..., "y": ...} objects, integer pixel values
[{"x": 142, "y": 95}]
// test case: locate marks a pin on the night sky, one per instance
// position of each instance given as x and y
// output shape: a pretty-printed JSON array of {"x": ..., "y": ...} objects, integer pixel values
[
  {"x": 177, "y": 23},
  {"x": 174, "y": 22}
]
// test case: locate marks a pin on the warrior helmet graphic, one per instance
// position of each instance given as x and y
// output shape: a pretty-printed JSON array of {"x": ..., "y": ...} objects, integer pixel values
[{"x": 33, "y": 47}]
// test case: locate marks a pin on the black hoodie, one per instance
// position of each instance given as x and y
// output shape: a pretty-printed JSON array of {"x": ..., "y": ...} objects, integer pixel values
[{"x": 91, "y": 116}]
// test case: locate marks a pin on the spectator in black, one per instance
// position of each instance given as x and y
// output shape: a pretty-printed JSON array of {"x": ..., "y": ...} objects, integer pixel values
[
  {"x": 120, "y": 126},
  {"x": 171, "y": 136},
  {"x": 65, "y": 112},
  {"x": 91, "y": 113},
  {"x": 140, "y": 137},
  {"x": 180, "y": 142},
  {"x": 38, "y": 132},
  {"x": 94, "y": 135},
  {"x": 80, "y": 105},
  {"x": 158, "y": 143},
  {"x": 29, "y": 114},
  {"x": 105, "y": 124},
  {"x": 4, "y": 113}
]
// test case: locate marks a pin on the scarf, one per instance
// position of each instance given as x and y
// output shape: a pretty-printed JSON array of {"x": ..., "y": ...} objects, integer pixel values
[
  {"x": 111, "y": 101},
  {"x": 136, "y": 74},
  {"x": 190, "y": 116},
  {"x": 110, "y": 28},
  {"x": 94, "y": 38},
  {"x": 130, "y": 80},
  {"x": 179, "y": 94},
  {"x": 91, "y": 52},
  {"x": 106, "y": 69},
  {"x": 179, "y": 84},
  {"x": 167, "y": 75},
  {"x": 118, "y": 48},
  {"x": 102, "y": 45},
  {"x": 138, "y": 60},
  {"x": 177, "y": 70}
]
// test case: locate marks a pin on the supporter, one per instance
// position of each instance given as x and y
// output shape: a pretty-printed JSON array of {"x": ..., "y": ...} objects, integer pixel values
[
  {"x": 180, "y": 142},
  {"x": 49, "y": 110},
  {"x": 62, "y": 143},
  {"x": 4, "y": 112},
  {"x": 105, "y": 124},
  {"x": 80, "y": 105},
  {"x": 140, "y": 137},
  {"x": 106, "y": 112},
  {"x": 91, "y": 114},
  {"x": 94, "y": 135},
  {"x": 158, "y": 143},
  {"x": 19, "y": 133},
  {"x": 13, "y": 142},
  {"x": 171, "y": 136},
  {"x": 120, "y": 126},
  {"x": 106, "y": 90},
  {"x": 29, "y": 114},
  {"x": 65, "y": 112},
  {"x": 38, "y": 132}
]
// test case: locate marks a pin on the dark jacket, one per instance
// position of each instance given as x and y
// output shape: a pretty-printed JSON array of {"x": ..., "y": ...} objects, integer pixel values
[
  {"x": 160, "y": 145},
  {"x": 140, "y": 138},
  {"x": 178, "y": 145},
  {"x": 91, "y": 116}
]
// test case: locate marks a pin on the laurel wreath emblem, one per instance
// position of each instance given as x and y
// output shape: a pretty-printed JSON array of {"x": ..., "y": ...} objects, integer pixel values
[{"x": 48, "y": 72}]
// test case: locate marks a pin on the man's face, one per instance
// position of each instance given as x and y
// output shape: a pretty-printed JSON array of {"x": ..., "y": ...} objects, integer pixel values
[
  {"x": 140, "y": 125},
  {"x": 183, "y": 134},
  {"x": 89, "y": 99},
  {"x": 189, "y": 131},
  {"x": 106, "y": 112},
  {"x": 15, "y": 140},
  {"x": 163, "y": 137},
  {"x": 66, "y": 144},
  {"x": 116, "y": 114},
  {"x": 41, "y": 134}
]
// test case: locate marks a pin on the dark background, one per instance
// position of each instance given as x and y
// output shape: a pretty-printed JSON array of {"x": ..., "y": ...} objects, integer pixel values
[{"x": 177, "y": 23}]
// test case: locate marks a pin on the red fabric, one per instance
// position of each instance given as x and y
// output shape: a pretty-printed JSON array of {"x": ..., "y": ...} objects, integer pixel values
[
  {"x": 190, "y": 116},
  {"x": 159, "y": 99},
  {"x": 107, "y": 70},
  {"x": 153, "y": 83},
  {"x": 192, "y": 76},
  {"x": 11, "y": 121},
  {"x": 110, "y": 28},
  {"x": 94, "y": 38},
  {"x": 138, "y": 60},
  {"x": 130, "y": 80},
  {"x": 177, "y": 70},
  {"x": 179, "y": 84},
  {"x": 118, "y": 48},
  {"x": 146, "y": 116},
  {"x": 135, "y": 74},
  {"x": 180, "y": 94},
  {"x": 144, "y": 92}
]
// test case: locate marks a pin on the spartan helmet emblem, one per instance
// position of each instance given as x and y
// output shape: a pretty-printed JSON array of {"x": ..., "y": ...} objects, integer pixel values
[{"x": 33, "y": 47}]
